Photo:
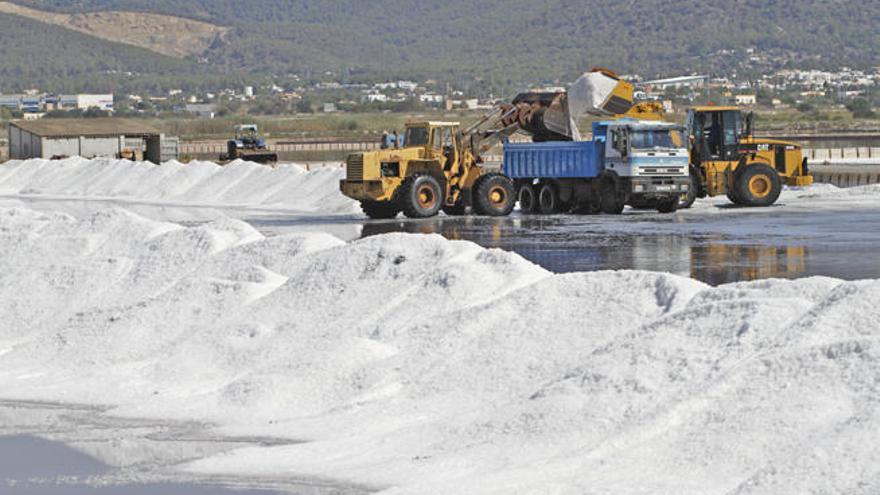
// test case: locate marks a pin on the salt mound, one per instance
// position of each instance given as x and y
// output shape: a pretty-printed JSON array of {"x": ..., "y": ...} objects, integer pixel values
[
  {"x": 238, "y": 183},
  {"x": 822, "y": 190},
  {"x": 422, "y": 365}
]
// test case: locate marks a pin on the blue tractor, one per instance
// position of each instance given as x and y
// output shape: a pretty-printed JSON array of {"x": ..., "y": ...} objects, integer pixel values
[{"x": 248, "y": 145}]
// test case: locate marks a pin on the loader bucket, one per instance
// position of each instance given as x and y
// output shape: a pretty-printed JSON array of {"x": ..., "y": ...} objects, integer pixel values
[{"x": 599, "y": 93}]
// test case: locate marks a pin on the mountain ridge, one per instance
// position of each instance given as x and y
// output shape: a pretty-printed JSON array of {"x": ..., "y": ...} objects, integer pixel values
[{"x": 506, "y": 43}]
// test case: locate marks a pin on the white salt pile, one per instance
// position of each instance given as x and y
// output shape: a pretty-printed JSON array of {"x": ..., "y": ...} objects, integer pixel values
[
  {"x": 288, "y": 187},
  {"x": 415, "y": 364},
  {"x": 238, "y": 183}
]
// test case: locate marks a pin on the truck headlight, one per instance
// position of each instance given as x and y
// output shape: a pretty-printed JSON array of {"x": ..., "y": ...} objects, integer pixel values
[
  {"x": 684, "y": 187},
  {"x": 638, "y": 188}
]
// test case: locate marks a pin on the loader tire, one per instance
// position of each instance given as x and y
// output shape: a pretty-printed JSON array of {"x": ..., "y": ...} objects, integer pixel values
[
  {"x": 528, "y": 200},
  {"x": 380, "y": 209},
  {"x": 493, "y": 195},
  {"x": 687, "y": 200},
  {"x": 757, "y": 185},
  {"x": 731, "y": 196},
  {"x": 668, "y": 205},
  {"x": 548, "y": 200},
  {"x": 420, "y": 196}
]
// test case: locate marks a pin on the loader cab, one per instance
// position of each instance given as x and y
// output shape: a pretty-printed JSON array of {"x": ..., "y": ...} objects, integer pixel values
[
  {"x": 247, "y": 137},
  {"x": 440, "y": 140},
  {"x": 714, "y": 133}
]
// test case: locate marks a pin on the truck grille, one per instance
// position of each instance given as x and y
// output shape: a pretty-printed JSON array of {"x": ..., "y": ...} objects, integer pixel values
[
  {"x": 662, "y": 171},
  {"x": 354, "y": 167}
]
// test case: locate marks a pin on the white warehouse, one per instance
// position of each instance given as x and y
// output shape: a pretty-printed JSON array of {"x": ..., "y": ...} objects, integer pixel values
[{"x": 88, "y": 138}]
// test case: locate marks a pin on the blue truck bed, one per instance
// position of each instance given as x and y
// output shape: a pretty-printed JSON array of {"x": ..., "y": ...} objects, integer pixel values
[{"x": 554, "y": 159}]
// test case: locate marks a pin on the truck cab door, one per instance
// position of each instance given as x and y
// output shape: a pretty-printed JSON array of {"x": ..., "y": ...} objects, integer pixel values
[{"x": 616, "y": 149}]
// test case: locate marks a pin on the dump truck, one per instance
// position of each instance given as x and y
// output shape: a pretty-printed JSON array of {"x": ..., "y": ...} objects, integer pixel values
[
  {"x": 248, "y": 145},
  {"x": 627, "y": 162}
]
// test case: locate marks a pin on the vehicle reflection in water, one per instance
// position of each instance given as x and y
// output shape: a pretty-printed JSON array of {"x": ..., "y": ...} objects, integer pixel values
[
  {"x": 721, "y": 263},
  {"x": 545, "y": 241}
]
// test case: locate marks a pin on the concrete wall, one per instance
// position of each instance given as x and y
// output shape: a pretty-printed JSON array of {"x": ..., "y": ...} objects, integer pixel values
[
  {"x": 846, "y": 175},
  {"x": 22, "y": 144},
  {"x": 104, "y": 146},
  {"x": 819, "y": 154},
  {"x": 60, "y": 147},
  {"x": 82, "y": 146}
]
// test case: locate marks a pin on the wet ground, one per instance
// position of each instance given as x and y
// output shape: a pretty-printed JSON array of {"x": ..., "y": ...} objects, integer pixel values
[
  {"x": 56, "y": 449},
  {"x": 713, "y": 242},
  {"x": 716, "y": 249}
]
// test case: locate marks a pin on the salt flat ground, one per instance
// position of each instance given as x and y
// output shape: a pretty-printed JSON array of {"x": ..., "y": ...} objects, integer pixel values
[{"x": 300, "y": 342}]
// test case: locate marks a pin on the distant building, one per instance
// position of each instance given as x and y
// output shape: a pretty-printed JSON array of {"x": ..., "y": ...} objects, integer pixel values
[
  {"x": 431, "y": 98},
  {"x": 89, "y": 138},
  {"x": 204, "y": 110},
  {"x": 748, "y": 99},
  {"x": 677, "y": 82},
  {"x": 374, "y": 97},
  {"x": 329, "y": 107},
  {"x": 12, "y": 102},
  {"x": 86, "y": 101}
]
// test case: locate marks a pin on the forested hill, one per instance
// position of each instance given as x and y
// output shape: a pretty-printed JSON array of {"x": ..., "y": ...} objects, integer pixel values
[{"x": 506, "y": 41}]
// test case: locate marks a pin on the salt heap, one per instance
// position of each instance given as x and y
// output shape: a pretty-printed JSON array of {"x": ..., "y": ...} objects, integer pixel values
[
  {"x": 414, "y": 364},
  {"x": 238, "y": 183}
]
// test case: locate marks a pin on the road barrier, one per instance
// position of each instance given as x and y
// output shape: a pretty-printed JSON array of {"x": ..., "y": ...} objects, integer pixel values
[
  {"x": 843, "y": 175},
  {"x": 218, "y": 148},
  {"x": 819, "y": 154}
]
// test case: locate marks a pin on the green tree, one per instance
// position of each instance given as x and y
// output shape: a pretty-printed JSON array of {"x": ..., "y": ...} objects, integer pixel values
[
  {"x": 805, "y": 107},
  {"x": 303, "y": 106},
  {"x": 861, "y": 109}
]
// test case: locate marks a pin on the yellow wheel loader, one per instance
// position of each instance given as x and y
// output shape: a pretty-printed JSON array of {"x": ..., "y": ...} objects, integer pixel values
[
  {"x": 438, "y": 168},
  {"x": 727, "y": 159}
]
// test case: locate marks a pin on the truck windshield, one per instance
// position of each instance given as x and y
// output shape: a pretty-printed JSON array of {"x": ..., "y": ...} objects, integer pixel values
[
  {"x": 658, "y": 138},
  {"x": 416, "y": 136}
]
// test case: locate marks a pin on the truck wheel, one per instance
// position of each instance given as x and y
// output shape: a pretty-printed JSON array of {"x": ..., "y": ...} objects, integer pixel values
[
  {"x": 757, "y": 185},
  {"x": 609, "y": 196},
  {"x": 420, "y": 196},
  {"x": 548, "y": 200},
  {"x": 639, "y": 203},
  {"x": 687, "y": 200},
  {"x": 528, "y": 201},
  {"x": 668, "y": 205},
  {"x": 380, "y": 209},
  {"x": 493, "y": 195}
]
